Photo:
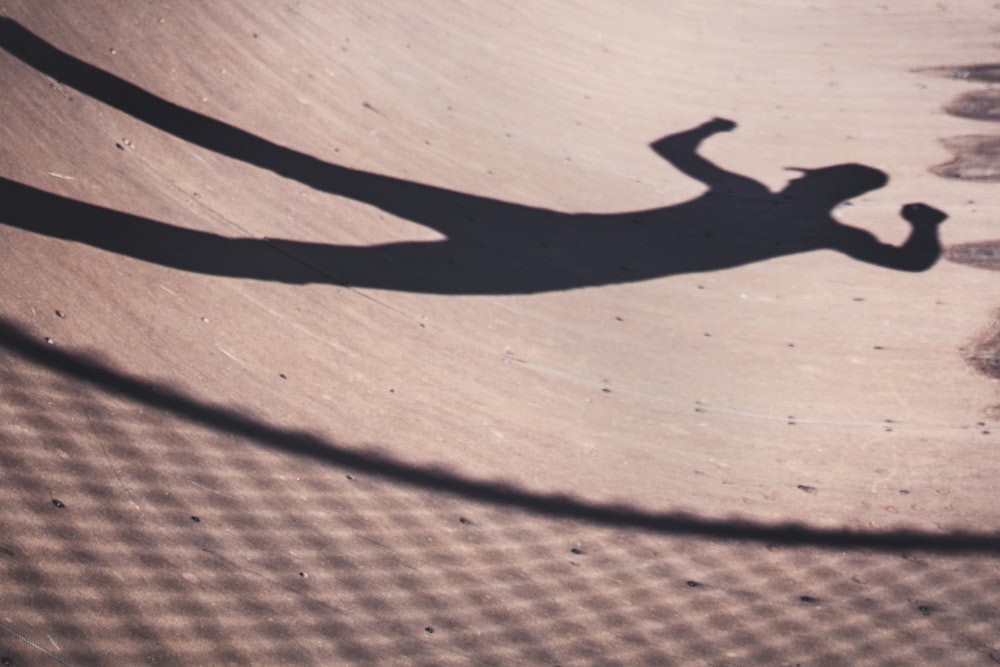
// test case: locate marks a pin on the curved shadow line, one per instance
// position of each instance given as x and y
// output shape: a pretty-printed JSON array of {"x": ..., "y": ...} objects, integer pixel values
[{"x": 433, "y": 479}]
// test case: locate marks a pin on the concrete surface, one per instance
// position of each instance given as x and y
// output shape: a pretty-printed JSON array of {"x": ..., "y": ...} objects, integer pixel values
[{"x": 450, "y": 333}]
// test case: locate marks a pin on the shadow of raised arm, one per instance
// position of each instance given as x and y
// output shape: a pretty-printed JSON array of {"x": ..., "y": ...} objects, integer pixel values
[{"x": 681, "y": 151}]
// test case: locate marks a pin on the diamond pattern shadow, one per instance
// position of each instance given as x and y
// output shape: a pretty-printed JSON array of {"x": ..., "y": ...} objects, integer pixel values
[{"x": 142, "y": 526}]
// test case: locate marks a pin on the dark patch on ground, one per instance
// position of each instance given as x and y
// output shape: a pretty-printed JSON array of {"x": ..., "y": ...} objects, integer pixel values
[
  {"x": 978, "y": 105},
  {"x": 985, "y": 72},
  {"x": 979, "y": 254},
  {"x": 984, "y": 353},
  {"x": 977, "y": 158}
]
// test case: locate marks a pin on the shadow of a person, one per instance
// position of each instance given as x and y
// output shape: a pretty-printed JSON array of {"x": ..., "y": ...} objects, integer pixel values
[
  {"x": 494, "y": 247},
  {"x": 491, "y": 246}
]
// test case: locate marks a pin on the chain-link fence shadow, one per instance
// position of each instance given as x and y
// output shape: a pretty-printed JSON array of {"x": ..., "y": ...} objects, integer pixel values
[{"x": 144, "y": 527}]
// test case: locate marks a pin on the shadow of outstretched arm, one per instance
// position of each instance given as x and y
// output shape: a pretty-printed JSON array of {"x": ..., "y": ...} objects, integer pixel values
[{"x": 919, "y": 252}]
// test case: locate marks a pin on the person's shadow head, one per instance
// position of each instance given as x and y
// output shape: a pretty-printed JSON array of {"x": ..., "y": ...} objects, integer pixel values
[{"x": 828, "y": 186}]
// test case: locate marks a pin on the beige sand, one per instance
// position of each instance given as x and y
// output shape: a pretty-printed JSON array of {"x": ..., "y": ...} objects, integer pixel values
[{"x": 391, "y": 333}]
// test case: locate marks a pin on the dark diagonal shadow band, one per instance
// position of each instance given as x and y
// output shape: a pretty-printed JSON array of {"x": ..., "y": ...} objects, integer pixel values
[{"x": 437, "y": 480}]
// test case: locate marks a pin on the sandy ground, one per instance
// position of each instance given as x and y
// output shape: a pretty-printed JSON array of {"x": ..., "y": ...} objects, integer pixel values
[{"x": 451, "y": 333}]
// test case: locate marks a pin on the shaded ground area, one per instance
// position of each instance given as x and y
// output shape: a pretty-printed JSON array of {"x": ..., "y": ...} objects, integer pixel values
[
  {"x": 357, "y": 335},
  {"x": 221, "y": 539}
]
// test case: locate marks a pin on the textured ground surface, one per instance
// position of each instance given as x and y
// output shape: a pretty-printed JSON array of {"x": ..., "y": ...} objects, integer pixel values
[{"x": 393, "y": 333}]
